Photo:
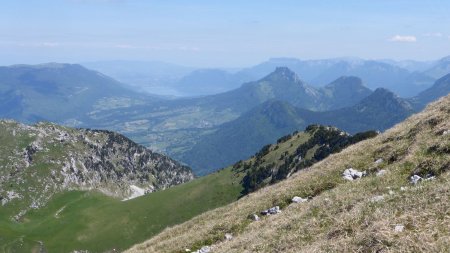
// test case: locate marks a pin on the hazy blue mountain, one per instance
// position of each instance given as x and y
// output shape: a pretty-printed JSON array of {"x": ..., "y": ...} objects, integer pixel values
[
  {"x": 207, "y": 82},
  {"x": 377, "y": 74},
  {"x": 410, "y": 65},
  {"x": 374, "y": 73},
  {"x": 379, "y": 111},
  {"x": 440, "y": 68},
  {"x": 60, "y": 93},
  {"x": 150, "y": 76},
  {"x": 285, "y": 85},
  {"x": 344, "y": 91},
  {"x": 406, "y": 78},
  {"x": 440, "y": 88}
]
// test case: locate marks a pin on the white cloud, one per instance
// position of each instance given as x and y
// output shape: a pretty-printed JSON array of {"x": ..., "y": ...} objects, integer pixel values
[
  {"x": 36, "y": 44},
  {"x": 435, "y": 34},
  {"x": 403, "y": 38},
  {"x": 125, "y": 46},
  {"x": 49, "y": 44}
]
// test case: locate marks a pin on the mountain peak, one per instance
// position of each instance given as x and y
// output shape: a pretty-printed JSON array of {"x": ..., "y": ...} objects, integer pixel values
[
  {"x": 383, "y": 92},
  {"x": 386, "y": 98},
  {"x": 346, "y": 81},
  {"x": 283, "y": 73}
]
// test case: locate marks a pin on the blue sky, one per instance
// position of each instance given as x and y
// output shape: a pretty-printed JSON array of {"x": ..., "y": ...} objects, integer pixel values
[{"x": 211, "y": 33}]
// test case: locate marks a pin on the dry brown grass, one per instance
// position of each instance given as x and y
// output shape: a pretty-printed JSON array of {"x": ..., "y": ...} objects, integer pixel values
[{"x": 341, "y": 216}]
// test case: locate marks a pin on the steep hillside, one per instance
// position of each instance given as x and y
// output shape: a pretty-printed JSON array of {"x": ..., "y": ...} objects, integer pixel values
[
  {"x": 440, "y": 88},
  {"x": 238, "y": 139},
  {"x": 440, "y": 68},
  {"x": 65, "y": 93},
  {"x": 42, "y": 160},
  {"x": 89, "y": 221},
  {"x": 384, "y": 211},
  {"x": 379, "y": 111}
]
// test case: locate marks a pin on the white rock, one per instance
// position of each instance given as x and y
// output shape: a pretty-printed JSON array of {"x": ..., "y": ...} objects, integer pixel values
[
  {"x": 399, "y": 228},
  {"x": 403, "y": 189},
  {"x": 430, "y": 177},
  {"x": 297, "y": 199},
  {"x": 255, "y": 217},
  {"x": 378, "y": 161},
  {"x": 377, "y": 198},
  {"x": 351, "y": 174},
  {"x": 381, "y": 173},
  {"x": 415, "y": 179},
  {"x": 204, "y": 249},
  {"x": 391, "y": 192},
  {"x": 348, "y": 177},
  {"x": 228, "y": 236},
  {"x": 187, "y": 250},
  {"x": 273, "y": 210},
  {"x": 446, "y": 132}
]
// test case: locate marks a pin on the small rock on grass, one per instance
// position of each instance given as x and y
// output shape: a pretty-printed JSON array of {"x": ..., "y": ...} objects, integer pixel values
[
  {"x": 254, "y": 217},
  {"x": 415, "y": 179},
  {"x": 273, "y": 210},
  {"x": 378, "y": 161},
  {"x": 297, "y": 199},
  {"x": 228, "y": 236},
  {"x": 377, "y": 198},
  {"x": 381, "y": 173},
  {"x": 204, "y": 249},
  {"x": 352, "y": 174},
  {"x": 399, "y": 228}
]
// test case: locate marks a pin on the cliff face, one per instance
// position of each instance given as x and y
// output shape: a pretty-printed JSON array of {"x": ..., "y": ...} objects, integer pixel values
[{"x": 41, "y": 160}]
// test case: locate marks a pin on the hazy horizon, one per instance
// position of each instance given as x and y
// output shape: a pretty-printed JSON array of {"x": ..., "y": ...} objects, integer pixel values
[{"x": 221, "y": 34}]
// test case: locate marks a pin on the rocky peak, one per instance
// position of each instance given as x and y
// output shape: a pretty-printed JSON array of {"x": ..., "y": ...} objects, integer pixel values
[
  {"x": 283, "y": 73},
  {"x": 387, "y": 99},
  {"x": 346, "y": 82},
  {"x": 54, "y": 159}
]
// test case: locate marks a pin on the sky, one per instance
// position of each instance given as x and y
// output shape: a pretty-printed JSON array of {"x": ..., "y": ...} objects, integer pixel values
[{"x": 226, "y": 33}]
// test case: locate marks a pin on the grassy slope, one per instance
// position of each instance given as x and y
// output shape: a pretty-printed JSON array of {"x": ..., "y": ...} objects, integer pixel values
[
  {"x": 98, "y": 223},
  {"x": 341, "y": 216}
]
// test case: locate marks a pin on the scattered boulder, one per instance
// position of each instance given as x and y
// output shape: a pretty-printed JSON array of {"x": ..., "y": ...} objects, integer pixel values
[
  {"x": 228, "y": 236},
  {"x": 204, "y": 249},
  {"x": 378, "y": 161},
  {"x": 381, "y": 173},
  {"x": 187, "y": 250},
  {"x": 273, "y": 210},
  {"x": 254, "y": 217},
  {"x": 430, "y": 177},
  {"x": 352, "y": 174},
  {"x": 446, "y": 132},
  {"x": 297, "y": 199},
  {"x": 377, "y": 198},
  {"x": 415, "y": 179},
  {"x": 399, "y": 228}
]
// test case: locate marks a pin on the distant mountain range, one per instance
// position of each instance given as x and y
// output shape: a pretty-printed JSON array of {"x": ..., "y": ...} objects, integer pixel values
[{"x": 405, "y": 78}]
